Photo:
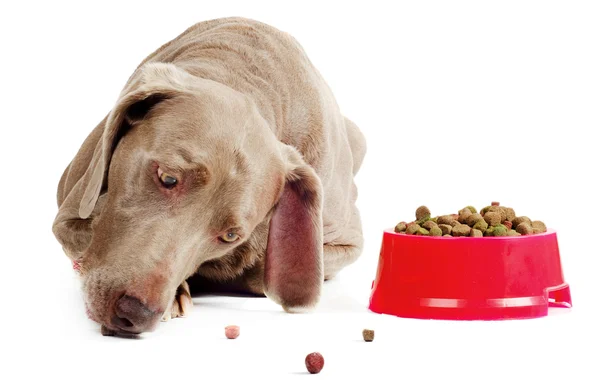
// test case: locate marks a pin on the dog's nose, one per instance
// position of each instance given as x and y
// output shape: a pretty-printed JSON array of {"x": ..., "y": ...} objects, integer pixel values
[{"x": 132, "y": 315}]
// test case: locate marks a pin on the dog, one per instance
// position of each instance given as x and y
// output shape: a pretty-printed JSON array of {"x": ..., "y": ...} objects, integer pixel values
[{"x": 225, "y": 157}]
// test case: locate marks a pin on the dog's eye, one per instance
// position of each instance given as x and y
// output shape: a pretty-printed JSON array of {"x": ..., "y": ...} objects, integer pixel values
[
  {"x": 229, "y": 237},
  {"x": 166, "y": 179}
]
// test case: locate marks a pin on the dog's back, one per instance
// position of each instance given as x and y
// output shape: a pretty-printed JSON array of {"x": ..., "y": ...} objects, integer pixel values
[{"x": 273, "y": 69}]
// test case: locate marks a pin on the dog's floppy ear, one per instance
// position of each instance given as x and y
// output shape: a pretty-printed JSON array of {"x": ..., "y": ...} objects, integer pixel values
[
  {"x": 149, "y": 85},
  {"x": 294, "y": 258}
]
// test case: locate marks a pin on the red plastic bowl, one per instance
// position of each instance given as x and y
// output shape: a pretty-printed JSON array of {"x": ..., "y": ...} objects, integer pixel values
[{"x": 469, "y": 278}]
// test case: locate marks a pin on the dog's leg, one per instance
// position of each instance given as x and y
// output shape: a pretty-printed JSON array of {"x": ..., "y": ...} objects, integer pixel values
[
  {"x": 337, "y": 257},
  {"x": 182, "y": 304},
  {"x": 345, "y": 249},
  {"x": 358, "y": 144}
]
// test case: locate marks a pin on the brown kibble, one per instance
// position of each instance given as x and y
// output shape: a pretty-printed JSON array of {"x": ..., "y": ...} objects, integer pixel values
[
  {"x": 429, "y": 224},
  {"x": 446, "y": 229},
  {"x": 314, "y": 362},
  {"x": 232, "y": 331},
  {"x": 472, "y": 219},
  {"x": 455, "y": 223},
  {"x": 368, "y": 335},
  {"x": 461, "y": 230},
  {"x": 510, "y": 213},
  {"x": 412, "y": 228},
  {"x": 435, "y": 231},
  {"x": 400, "y": 227},
  {"x": 539, "y": 225},
  {"x": 524, "y": 229},
  {"x": 463, "y": 215},
  {"x": 422, "y": 213},
  {"x": 445, "y": 219},
  {"x": 521, "y": 219},
  {"x": 492, "y": 218},
  {"x": 476, "y": 233},
  {"x": 499, "y": 210}
]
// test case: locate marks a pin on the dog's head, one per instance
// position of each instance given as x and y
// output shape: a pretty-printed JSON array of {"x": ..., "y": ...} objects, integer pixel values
[{"x": 185, "y": 171}]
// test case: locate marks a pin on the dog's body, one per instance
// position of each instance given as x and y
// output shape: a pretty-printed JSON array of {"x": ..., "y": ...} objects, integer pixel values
[{"x": 235, "y": 110}]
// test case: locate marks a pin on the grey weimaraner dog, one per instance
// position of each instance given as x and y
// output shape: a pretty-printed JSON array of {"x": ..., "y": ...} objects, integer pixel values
[{"x": 225, "y": 157}]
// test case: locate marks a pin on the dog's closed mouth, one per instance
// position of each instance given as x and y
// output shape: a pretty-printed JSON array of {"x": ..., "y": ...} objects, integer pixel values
[{"x": 106, "y": 331}]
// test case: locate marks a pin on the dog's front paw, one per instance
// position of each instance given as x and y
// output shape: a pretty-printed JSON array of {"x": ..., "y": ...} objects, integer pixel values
[{"x": 182, "y": 304}]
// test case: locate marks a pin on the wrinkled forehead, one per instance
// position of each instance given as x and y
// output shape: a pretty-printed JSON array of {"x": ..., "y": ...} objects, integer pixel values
[{"x": 225, "y": 133}]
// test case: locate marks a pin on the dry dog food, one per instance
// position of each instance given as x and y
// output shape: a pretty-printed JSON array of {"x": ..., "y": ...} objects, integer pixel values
[
  {"x": 493, "y": 220},
  {"x": 314, "y": 362},
  {"x": 232, "y": 332},
  {"x": 368, "y": 335}
]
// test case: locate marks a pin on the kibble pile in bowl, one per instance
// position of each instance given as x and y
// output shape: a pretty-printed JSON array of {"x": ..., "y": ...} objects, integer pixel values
[{"x": 494, "y": 220}]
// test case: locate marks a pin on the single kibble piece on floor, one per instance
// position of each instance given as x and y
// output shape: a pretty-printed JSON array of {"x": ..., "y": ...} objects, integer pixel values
[
  {"x": 400, "y": 227},
  {"x": 435, "y": 231},
  {"x": 461, "y": 230},
  {"x": 423, "y": 213},
  {"x": 492, "y": 218},
  {"x": 368, "y": 335},
  {"x": 314, "y": 362},
  {"x": 232, "y": 332},
  {"x": 524, "y": 229},
  {"x": 412, "y": 228}
]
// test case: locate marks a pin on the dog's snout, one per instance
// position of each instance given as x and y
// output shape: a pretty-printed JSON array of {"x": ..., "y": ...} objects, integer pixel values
[{"x": 133, "y": 315}]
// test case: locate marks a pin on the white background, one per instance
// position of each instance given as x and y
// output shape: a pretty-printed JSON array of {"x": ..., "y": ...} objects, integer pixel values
[{"x": 461, "y": 103}]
